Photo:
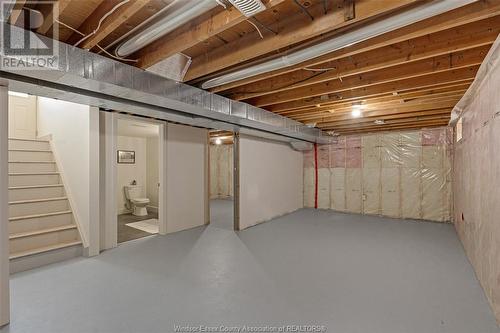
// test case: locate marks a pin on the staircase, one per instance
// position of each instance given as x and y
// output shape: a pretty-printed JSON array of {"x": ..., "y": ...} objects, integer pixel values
[{"x": 41, "y": 225}]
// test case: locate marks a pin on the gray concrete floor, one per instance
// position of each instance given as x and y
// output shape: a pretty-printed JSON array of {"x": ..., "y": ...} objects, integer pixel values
[
  {"x": 221, "y": 213},
  {"x": 351, "y": 273}
]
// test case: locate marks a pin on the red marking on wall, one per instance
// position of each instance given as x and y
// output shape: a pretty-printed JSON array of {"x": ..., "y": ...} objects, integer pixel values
[{"x": 316, "y": 175}]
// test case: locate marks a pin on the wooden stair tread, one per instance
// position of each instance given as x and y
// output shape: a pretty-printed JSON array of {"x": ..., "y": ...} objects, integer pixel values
[
  {"x": 57, "y": 246},
  {"x": 42, "y": 231},
  {"x": 32, "y": 150},
  {"x": 25, "y": 217},
  {"x": 34, "y": 186},
  {"x": 33, "y": 162},
  {"x": 33, "y": 173},
  {"x": 37, "y": 200},
  {"x": 33, "y": 140}
]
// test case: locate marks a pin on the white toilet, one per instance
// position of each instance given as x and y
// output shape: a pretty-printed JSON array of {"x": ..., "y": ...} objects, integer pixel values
[{"x": 134, "y": 202}]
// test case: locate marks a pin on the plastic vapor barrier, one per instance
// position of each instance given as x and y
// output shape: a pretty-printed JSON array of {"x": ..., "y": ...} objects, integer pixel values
[
  {"x": 395, "y": 174},
  {"x": 221, "y": 171},
  {"x": 476, "y": 169}
]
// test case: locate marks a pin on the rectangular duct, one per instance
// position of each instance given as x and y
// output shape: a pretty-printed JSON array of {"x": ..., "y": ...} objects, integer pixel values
[{"x": 106, "y": 83}]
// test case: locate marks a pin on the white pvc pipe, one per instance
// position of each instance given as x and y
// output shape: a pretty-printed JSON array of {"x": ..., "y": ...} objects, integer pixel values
[
  {"x": 340, "y": 41},
  {"x": 181, "y": 13}
]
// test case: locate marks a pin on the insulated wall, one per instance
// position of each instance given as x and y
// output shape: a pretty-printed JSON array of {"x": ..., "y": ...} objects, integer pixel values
[
  {"x": 396, "y": 174},
  {"x": 476, "y": 170},
  {"x": 221, "y": 171},
  {"x": 270, "y": 175}
]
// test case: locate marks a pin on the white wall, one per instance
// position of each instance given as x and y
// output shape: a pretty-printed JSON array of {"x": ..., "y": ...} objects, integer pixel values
[
  {"x": 126, "y": 173},
  {"x": 152, "y": 172},
  {"x": 270, "y": 180},
  {"x": 187, "y": 177},
  {"x": 69, "y": 125}
]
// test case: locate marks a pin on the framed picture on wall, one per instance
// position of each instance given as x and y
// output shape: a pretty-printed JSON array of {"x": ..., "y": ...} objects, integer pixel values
[{"x": 126, "y": 157}]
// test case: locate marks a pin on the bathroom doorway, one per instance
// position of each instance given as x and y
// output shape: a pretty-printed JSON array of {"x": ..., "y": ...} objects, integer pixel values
[{"x": 137, "y": 178}]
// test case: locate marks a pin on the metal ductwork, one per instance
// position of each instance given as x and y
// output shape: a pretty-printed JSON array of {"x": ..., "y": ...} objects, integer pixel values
[
  {"x": 88, "y": 78},
  {"x": 179, "y": 13},
  {"x": 419, "y": 13}
]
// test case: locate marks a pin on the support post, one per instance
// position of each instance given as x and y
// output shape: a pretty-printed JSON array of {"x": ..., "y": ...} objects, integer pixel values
[
  {"x": 162, "y": 197},
  {"x": 236, "y": 180},
  {"x": 94, "y": 188},
  {"x": 316, "y": 175},
  {"x": 4, "y": 212},
  {"x": 108, "y": 146}
]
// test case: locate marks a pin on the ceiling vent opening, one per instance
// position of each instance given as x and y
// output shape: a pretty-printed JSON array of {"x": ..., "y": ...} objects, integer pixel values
[{"x": 248, "y": 7}]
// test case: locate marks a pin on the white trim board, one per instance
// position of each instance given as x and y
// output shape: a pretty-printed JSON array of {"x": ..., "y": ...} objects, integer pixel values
[
  {"x": 67, "y": 189},
  {"x": 4, "y": 211}
]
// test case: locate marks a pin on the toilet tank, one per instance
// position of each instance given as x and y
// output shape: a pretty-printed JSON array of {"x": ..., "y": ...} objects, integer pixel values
[{"x": 133, "y": 191}]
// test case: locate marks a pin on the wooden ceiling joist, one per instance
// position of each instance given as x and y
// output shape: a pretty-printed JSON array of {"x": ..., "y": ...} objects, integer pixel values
[
  {"x": 471, "y": 13},
  {"x": 424, "y": 81},
  {"x": 473, "y": 35},
  {"x": 290, "y": 31},
  {"x": 392, "y": 122},
  {"x": 48, "y": 14},
  {"x": 394, "y": 127},
  {"x": 425, "y": 93},
  {"x": 16, "y": 11},
  {"x": 121, "y": 15},
  {"x": 394, "y": 114},
  {"x": 377, "y": 110},
  {"x": 405, "y": 71},
  {"x": 191, "y": 34},
  {"x": 409, "y": 78}
]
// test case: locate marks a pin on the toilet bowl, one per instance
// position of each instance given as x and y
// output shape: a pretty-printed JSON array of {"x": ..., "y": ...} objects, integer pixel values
[{"x": 134, "y": 201}]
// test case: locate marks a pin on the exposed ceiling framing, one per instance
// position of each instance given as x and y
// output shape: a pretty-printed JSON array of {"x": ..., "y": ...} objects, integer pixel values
[{"x": 408, "y": 78}]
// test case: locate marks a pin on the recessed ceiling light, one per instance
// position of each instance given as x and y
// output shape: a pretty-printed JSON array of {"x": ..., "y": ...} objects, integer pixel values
[
  {"x": 356, "y": 113},
  {"x": 356, "y": 110},
  {"x": 218, "y": 141}
]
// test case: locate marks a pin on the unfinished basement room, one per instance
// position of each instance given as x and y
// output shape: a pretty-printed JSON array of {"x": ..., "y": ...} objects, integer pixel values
[{"x": 249, "y": 166}]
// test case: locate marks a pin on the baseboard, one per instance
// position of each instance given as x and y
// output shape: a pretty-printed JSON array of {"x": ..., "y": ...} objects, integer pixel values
[
  {"x": 46, "y": 258},
  {"x": 152, "y": 209}
]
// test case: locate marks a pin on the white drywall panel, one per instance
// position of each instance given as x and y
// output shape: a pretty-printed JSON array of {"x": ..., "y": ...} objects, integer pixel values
[
  {"x": 187, "y": 179},
  {"x": 271, "y": 180}
]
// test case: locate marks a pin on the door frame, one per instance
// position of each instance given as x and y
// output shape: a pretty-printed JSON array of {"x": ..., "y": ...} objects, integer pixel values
[
  {"x": 109, "y": 173},
  {"x": 235, "y": 179}
]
